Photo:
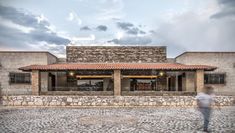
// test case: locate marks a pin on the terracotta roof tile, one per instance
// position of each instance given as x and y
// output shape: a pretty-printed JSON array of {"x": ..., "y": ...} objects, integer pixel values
[{"x": 111, "y": 66}]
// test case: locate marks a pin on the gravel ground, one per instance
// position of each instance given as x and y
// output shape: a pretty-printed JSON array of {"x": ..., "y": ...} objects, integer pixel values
[{"x": 113, "y": 120}]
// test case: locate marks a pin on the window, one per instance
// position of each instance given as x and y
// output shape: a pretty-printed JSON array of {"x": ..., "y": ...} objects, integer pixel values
[
  {"x": 20, "y": 78},
  {"x": 143, "y": 84},
  {"x": 90, "y": 84},
  {"x": 214, "y": 79}
]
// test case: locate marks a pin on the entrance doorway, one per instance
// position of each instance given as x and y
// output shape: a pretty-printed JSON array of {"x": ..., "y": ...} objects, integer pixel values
[{"x": 180, "y": 83}]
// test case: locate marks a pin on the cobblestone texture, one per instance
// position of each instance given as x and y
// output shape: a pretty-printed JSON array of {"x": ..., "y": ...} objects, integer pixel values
[{"x": 113, "y": 120}]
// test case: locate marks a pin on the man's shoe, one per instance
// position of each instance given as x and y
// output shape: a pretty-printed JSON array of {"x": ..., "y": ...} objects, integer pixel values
[{"x": 206, "y": 130}]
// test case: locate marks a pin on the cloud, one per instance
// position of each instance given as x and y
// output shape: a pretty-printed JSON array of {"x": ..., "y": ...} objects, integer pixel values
[
  {"x": 85, "y": 28},
  {"x": 132, "y": 40},
  {"x": 130, "y": 28},
  {"x": 124, "y": 25},
  {"x": 142, "y": 32},
  {"x": 130, "y": 35},
  {"x": 195, "y": 31},
  {"x": 52, "y": 38},
  {"x": 59, "y": 50},
  {"x": 23, "y": 18},
  {"x": 41, "y": 18},
  {"x": 109, "y": 10},
  {"x": 191, "y": 30},
  {"x": 10, "y": 24},
  {"x": 227, "y": 9},
  {"x": 74, "y": 17},
  {"x": 101, "y": 28},
  {"x": 133, "y": 31},
  {"x": 89, "y": 38},
  {"x": 21, "y": 30}
]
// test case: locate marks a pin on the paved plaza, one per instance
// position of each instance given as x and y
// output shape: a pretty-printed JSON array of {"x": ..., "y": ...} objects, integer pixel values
[{"x": 113, "y": 120}]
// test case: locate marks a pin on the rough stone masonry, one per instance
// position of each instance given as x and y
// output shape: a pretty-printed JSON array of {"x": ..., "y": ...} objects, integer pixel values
[
  {"x": 124, "y": 54},
  {"x": 105, "y": 101}
]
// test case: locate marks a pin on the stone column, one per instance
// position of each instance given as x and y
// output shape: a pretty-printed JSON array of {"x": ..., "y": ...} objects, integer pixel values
[
  {"x": 117, "y": 82},
  {"x": 35, "y": 82},
  {"x": 199, "y": 80},
  {"x": 176, "y": 82},
  {"x": 44, "y": 81},
  {"x": 105, "y": 84}
]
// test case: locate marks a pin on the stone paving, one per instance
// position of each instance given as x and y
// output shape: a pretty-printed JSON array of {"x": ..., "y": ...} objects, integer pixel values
[{"x": 113, "y": 120}]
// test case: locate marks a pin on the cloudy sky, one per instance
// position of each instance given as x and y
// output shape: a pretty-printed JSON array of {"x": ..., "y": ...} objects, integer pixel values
[{"x": 181, "y": 25}]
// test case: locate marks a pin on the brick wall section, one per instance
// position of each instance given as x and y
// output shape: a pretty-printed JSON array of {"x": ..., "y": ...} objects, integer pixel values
[{"x": 110, "y": 54}]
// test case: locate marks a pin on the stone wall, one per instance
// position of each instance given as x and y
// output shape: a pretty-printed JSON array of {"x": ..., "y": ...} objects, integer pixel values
[
  {"x": 11, "y": 61},
  {"x": 44, "y": 79},
  {"x": 190, "y": 81},
  {"x": 129, "y": 101},
  {"x": 224, "y": 61},
  {"x": 110, "y": 54},
  {"x": 51, "y": 59}
]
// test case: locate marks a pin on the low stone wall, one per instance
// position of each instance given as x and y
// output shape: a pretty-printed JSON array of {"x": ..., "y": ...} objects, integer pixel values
[
  {"x": 173, "y": 101},
  {"x": 158, "y": 93},
  {"x": 78, "y": 93}
]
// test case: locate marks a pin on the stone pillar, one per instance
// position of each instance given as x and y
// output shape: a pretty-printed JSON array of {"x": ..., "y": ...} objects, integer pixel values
[
  {"x": 176, "y": 82},
  {"x": 117, "y": 82},
  {"x": 199, "y": 80},
  {"x": 190, "y": 78},
  {"x": 35, "y": 82},
  {"x": 44, "y": 81},
  {"x": 105, "y": 84}
]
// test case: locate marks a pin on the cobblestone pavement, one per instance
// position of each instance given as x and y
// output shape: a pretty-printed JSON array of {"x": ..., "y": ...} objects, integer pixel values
[{"x": 112, "y": 120}]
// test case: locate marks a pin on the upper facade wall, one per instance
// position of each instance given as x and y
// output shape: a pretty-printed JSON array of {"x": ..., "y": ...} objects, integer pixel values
[
  {"x": 20, "y": 59},
  {"x": 111, "y": 54},
  {"x": 222, "y": 60},
  {"x": 51, "y": 59},
  {"x": 15, "y": 60}
]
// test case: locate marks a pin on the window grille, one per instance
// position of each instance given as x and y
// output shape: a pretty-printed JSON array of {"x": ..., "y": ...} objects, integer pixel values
[
  {"x": 20, "y": 78},
  {"x": 214, "y": 78}
]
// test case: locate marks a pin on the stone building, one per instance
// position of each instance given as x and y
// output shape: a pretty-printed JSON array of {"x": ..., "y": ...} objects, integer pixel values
[
  {"x": 114, "y": 70},
  {"x": 14, "y": 81},
  {"x": 222, "y": 78}
]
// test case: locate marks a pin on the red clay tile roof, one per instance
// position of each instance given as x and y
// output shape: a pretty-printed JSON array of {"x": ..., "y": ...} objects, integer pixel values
[{"x": 112, "y": 66}]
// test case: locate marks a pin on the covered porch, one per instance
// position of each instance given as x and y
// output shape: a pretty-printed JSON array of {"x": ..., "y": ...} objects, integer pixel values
[{"x": 117, "y": 79}]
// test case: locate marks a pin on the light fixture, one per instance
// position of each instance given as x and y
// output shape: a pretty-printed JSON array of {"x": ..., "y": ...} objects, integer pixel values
[
  {"x": 161, "y": 73},
  {"x": 71, "y": 73}
]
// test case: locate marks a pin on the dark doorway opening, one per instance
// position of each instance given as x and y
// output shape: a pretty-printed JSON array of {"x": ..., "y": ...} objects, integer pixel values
[
  {"x": 52, "y": 77},
  {"x": 180, "y": 83}
]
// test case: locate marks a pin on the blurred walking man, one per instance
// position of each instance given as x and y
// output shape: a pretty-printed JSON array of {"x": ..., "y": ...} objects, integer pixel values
[{"x": 204, "y": 102}]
